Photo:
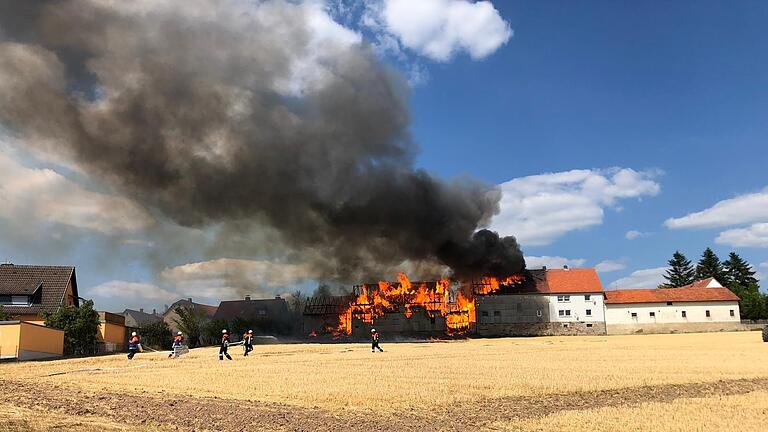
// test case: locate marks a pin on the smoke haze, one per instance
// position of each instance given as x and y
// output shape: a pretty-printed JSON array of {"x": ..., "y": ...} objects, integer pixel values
[{"x": 244, "y": 115}]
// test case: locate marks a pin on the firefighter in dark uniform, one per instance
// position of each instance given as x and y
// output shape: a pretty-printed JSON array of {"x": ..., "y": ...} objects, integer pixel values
[
  {"x": 375, "y": 341},
  {"x": 248, "y": 342},
  {"x": 224, "y": 345},
  {"x": 177, "y": 342},
  {"x": 133, "y": 345}
]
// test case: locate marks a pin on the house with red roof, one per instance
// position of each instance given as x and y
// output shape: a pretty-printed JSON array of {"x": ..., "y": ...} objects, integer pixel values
[
  {"x": 567, "y": 301},
  {"x": 704, "y": 305}
]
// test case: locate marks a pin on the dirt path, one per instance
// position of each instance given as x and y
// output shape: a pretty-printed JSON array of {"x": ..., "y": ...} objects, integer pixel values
[{"x": 196, "y": 413}]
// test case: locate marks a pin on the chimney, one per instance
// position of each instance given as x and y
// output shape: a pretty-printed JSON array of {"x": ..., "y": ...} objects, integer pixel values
[
  {"x": 141, "y": 310},
  {"x": 565, "y": 267},
  {"x": 544, "y": 267},
  {"x": 166, "y": 308},
  {"x": 190, "y": 299},
  {"x": 154, "y": 311},
  {"x": 277, "y": 297},
  {"x": 247, "y": 298}
]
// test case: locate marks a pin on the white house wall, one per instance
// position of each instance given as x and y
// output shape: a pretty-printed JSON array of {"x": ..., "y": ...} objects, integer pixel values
[
  {"x": 669, "y": 318},
  {"x": 578, "y": 306}
]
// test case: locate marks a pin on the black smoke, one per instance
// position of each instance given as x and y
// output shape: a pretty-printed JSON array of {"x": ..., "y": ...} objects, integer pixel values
[{"x": 207, "y": 112}]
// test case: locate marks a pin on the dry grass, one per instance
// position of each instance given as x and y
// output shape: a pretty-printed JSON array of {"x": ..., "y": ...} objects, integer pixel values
[
  {"x": 15, "y": 419},
  {"x": 420, "y": 376},
  {"x": 739, "y": 413}
]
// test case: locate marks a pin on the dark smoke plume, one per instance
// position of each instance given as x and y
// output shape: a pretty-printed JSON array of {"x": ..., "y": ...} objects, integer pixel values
[{"x": 218, "y": 112}]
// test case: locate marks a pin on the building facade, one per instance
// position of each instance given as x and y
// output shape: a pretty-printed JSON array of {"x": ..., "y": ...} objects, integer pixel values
[
  {"x": 700, "y": 307},
  {"x": 548, "y": 302},
  {"x": 27, "y": 291}
]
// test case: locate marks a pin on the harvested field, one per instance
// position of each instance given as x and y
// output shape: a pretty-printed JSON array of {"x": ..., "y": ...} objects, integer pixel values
[{"x": 686, "y": 381}]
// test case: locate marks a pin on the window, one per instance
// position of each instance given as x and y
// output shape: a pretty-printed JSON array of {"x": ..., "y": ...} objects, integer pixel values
[
  {"x": 563, "y": 298},
  {"x": 587, "y": 297},
  {"x": 653, "y": 314},
  {"x": 485, "y": 313},
  {"x": 565, "y": 325},
  {"x": 432, "y": 320},
  {"x": 733, "y": 313},
  {"x": 262, "y": 311},
  {"x": 538, "y": 312},
  {"x": 669, "y": 303},
  {"x": 589, "y": 325},
  {"x": 684, "y": 315},
  {"x": 564, "y": 312},
  {"x": 15, "y": 300},
  {"x": 589, "y": 312},
  {"x": 496, "y": 313},
  {"x": 708, "y": 315},
  {"x": 634, "y": 314}
]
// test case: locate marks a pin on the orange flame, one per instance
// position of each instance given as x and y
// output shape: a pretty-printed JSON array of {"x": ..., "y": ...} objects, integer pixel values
[{"x": 374, "y": 300}]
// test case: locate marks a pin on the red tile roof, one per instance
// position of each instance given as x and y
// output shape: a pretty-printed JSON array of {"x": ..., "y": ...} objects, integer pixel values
[
  {"x": 689, "y": 293},
  {"x": 570, "y": 281}
]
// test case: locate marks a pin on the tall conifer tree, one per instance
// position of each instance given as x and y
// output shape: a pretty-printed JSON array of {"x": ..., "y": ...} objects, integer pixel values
[
  {"x": 738, "y": 271},
  {"x": 680, "y": 271},
  {"x": 710, "y": 266}
]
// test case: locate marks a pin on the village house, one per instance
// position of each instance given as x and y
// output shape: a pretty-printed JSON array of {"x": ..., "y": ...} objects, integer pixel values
[
  {"x": 139, "y": 318},
  {"x": 547, "y": 302},
  {"x": 702, "y": 306},
  {"x": 27, "y": 291},
  {"x": 170, "y": 316},
  {"x": 267, "y": 315}
]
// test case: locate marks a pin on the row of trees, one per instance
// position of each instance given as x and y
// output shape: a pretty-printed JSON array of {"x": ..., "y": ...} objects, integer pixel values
[{"x": 735, "y": 273}]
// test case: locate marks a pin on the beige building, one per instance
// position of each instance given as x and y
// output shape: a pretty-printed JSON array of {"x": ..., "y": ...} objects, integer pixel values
[{"x": 699, "y": 307}]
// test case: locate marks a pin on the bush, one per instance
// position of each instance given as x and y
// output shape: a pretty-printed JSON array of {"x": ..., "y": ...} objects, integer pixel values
[
  {"x": 4, "y": 316},
  {"x": 80, "y": 327}
]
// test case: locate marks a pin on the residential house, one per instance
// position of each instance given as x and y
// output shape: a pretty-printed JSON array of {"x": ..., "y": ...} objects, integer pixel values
[
  {"x": 138, "y": 318},
  {"x": 26, "y": 291},
  {"x": 170, "y": 316},
  {"x": 704, "y": 305},
  {"x": 547, "y": 302},
  {"x": 265, "y": 315}
]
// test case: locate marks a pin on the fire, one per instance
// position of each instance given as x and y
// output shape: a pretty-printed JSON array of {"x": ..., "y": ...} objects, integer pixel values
[{"x": 436, "y": 299}]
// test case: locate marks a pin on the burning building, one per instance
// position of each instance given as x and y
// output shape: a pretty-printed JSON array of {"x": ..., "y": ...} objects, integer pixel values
[{"x": 535, "y": 302}]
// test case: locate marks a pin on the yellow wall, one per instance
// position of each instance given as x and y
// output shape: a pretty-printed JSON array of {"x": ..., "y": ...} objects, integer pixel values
[
  {"x": 109, "y": 332},
  {"x": 41, "y": 339},
  {"x": 34, "y": 319},
  {"x": 9, "y": 340}
]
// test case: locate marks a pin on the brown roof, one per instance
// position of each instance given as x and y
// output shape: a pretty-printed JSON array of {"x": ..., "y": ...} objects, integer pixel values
[
  {"x": 49, "y": 282},
  {"x": 250, "y": 309},
  {"x": 208, "y": 310},
  {"x": 570, "y": 281},
  {"x": 661, "y": 295}
]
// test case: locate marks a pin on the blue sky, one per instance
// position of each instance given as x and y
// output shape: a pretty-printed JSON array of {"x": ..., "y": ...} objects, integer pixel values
[{"x": 607, "y": 117}]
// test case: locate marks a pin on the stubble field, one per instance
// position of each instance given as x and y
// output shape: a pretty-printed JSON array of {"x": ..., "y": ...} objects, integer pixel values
[{"x": 694, "y": 382}]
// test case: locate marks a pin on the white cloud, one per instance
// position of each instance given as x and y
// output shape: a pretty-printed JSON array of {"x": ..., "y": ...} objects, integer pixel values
[
  {"x": 633, "y": 234},
  {"x": 752, "y": 236},
  {"x": 645, "y": 278},
  {"x": 610, "y": 266},
  {"x": 228, "y": 278},
  {"x": 743, "y": 209},
  {"x": 439, "y": 29},
  {"x": 35, "y": 195},
  {"x": 129, "y": 295},
  {"x": 533, "y": 262},
  {"x": 538, "y": 209}
]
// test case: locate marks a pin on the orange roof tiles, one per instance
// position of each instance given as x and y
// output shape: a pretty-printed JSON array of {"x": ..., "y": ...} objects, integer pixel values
[
  {"x": 578, "y": 280},
  {"x": 690, "y": 293}
]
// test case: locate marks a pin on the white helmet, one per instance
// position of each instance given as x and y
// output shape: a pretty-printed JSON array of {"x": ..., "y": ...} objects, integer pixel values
[
  {"x": 133, "y": 334},
  {"x": 373, "y": 330},
  {"x": 179, "y": 333},
  {"x": 250, "y": 331},
  {"x": 224, "y": 331}
]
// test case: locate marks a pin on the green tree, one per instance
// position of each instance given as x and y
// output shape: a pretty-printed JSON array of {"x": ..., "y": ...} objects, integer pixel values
[
  {"x": 753, "y": 304},
  {"x": 4, "y": 316},
  {"x": 190, "y": 322},
  {"x": 680, "y": 272},
  {"x": 212, "y": 330},
  {"x": 156, "y": 335},
  {"x": 738, "y": 272},
  {"x": 80, "y": 325},
  {"x": 710, "y": 266}
]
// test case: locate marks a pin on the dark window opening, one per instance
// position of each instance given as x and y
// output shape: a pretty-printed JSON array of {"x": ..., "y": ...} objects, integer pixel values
[
  {"x": 653, "y": 314},
  {"x": 432, "y": 320},
  {"x": 708, "y": 315},
  {"x": 589, "y": 325},
  {"x": 587, "y": 297},
  {"x": 669, "y": 303},
  {"x": 496, "y": 313},
  {"x": 589, "y": 312},
  {"x": 485, "y": 313},
  {"x": 634, "y": 314},
  {"x": 733, "y": 313},
  {"x": 684, "y": 315}
]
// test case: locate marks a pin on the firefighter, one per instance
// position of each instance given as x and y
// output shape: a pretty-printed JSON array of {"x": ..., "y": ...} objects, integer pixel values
[
  {"x": 247, "y": 342},
  {"x": 224, "y": 345},
  {"x": 134, "y": 342},
  {"x": 375, "y": 341},
  {"x": 177, "y": 342}
]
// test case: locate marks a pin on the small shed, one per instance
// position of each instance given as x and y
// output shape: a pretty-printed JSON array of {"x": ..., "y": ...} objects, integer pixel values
[{"x": 28, "y": 341}]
